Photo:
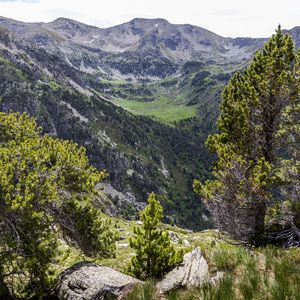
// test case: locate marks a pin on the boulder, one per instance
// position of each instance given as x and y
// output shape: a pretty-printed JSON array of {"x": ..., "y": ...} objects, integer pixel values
[
  {"x": 193, "y": 271},
  {"x": 88, "y": 281}
]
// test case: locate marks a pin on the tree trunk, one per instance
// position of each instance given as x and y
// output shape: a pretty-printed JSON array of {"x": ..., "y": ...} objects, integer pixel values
[{"x": 244, "y": 222}]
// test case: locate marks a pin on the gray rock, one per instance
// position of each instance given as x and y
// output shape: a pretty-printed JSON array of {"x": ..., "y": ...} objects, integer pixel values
[
  {"x": 174, "y": 237},
  {"x": 193, "y": 271},
  {"x": 186, "y": 242},
  {"x": 217, "y": 278},
  {"x": 88, "y": 281}
]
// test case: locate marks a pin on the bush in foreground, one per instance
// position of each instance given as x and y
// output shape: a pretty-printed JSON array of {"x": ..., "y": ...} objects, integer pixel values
[{"x": 46, "y": 190}]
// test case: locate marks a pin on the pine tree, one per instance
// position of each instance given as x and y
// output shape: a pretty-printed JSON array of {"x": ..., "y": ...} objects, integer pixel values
[
  {"x": 287, "y": 215},
  {"x": 154, "y": 253},
  {"x": 248, "y": 145},
  {"x": 46, "y": 191}
]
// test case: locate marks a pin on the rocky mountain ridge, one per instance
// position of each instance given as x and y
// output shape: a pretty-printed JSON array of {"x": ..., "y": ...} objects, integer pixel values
[
  {"x": 177, "y": 43},
  {"x": 174, "y": 42}
]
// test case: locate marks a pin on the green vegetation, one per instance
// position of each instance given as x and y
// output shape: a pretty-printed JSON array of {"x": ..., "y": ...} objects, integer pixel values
[
  {"x": 50, "y": 216},
  {"x": 164, "y": 109},
  {"x": 154, "y": 253},
  {"x": 257, "y": 142},
  {"x": 145, "y": 291},
  {"x": 46, "y": 189},
  {"x": 114, "y": 139},
  {"x": 195, "y": 93},
  {"x": 261, "y": 273}
]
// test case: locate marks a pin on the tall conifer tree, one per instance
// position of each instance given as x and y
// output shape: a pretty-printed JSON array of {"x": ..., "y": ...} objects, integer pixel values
[{"x": 248, "y": 145}]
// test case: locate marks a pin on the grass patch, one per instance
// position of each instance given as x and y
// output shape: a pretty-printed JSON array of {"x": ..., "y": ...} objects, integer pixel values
[
  {"x": 263, "y": 273},
  {"x": 224, "y": 291},
  {"x": 163, "y": 109},
  {"x": 145, "y": 291}
]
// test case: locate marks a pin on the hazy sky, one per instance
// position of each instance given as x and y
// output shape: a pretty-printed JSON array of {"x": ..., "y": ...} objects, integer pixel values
[{"x": 255, "y": 18}]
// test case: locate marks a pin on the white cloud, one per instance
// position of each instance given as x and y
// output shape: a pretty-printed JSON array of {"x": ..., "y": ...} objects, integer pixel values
[{"x": 227, "y": 18}]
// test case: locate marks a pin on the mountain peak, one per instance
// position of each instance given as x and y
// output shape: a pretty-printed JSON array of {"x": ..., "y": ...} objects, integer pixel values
[
  {"x": 63, "y": 20},
  {"x": 69, "y": 28},
  {"x": 146, "y": 20}
]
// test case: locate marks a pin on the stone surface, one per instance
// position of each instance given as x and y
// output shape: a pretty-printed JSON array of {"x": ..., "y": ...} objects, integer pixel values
[
  {"x": 193, "y": 271},
  {"x": 186, "y": 242},
  {"x": 88, "y": 281},
  {"x": 174, "y": 237},
  {"x": 217, "y": 278}
]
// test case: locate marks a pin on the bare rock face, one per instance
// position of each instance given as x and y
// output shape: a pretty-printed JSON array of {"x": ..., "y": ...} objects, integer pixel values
[
  {"x": 88, "y": 281},
  {"x": 193, "y": 271}
]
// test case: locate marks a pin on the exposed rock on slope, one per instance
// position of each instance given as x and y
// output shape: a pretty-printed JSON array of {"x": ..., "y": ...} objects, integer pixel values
[
  {"x": 88, "y": 281},
  {"x": 193, "y": 271},
  {"x": 141, "y": 47}
]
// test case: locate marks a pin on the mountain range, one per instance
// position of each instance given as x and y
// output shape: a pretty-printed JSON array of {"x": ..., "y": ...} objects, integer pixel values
[{"x": 141, "y": 97}]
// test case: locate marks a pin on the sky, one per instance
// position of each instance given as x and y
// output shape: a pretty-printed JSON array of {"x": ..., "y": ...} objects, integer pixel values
[{"x": 230, "y": 18}]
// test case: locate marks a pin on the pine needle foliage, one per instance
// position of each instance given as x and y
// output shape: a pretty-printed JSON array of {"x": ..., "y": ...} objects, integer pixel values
[
  {"x": 46, "y": 193},
  {"x": 155, "y": 255},
  {"x": 252, "y": 140}
]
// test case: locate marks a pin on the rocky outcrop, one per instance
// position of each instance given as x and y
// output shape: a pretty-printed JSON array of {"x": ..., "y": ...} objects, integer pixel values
[
  {"x": 193, "y": 271},
  {"x": 88, "y": 281}
]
